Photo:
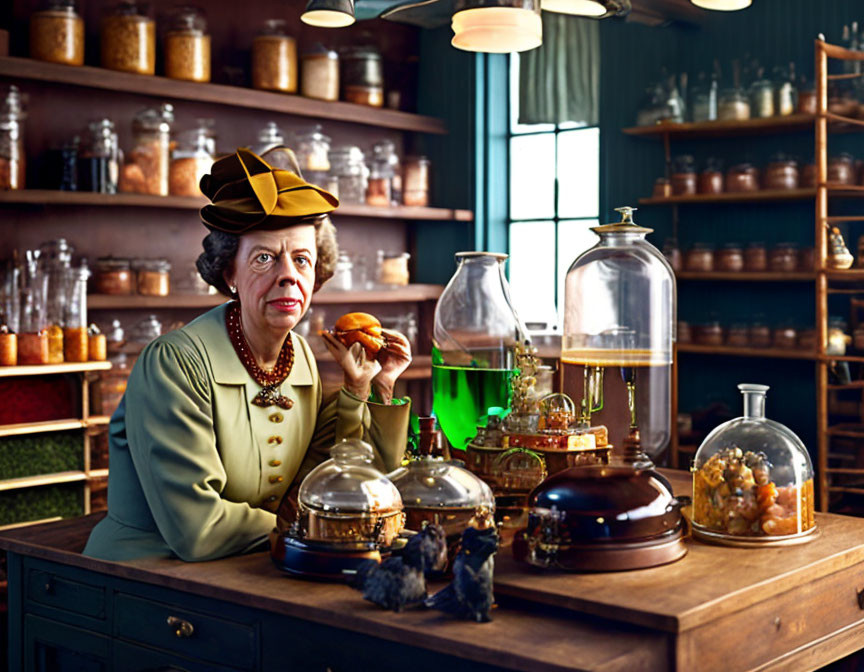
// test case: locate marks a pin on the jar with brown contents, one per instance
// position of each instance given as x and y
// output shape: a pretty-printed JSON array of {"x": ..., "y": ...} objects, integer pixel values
[
  {"x": 806, "y": 97},
  {"x": 75, "y": 343},
  {"x": 187, "y": 46},
  {"x": 97, "y": 344},
  {"x": 363, "y": 76},
  {"x": 808, "y": 176},
  {"x": 807, "y": 260},
  {"x": 783, "y": 258},
  {"x": 320, "y": 74},
  {"x": 112, "y": 276},
  {"x": 756, "y": 258},
  {"x": 274, "y": 58},
  {"x": 760, "y": 336},
  {"x": 128, "y": 39},
  {"x": 673, "y": 254},
  {"x": 683, "y": 176},
  {"x": 711, "y": 178},
  {"x": 685, "y": 333},
  {"x": 710, "y": 333},
  {"x": 807, "y": 339},
  {"x": 841, "y": 169},
  {"x": 780, "y": 174},
  {"x": 741, "y": 178},
  {"x": 8, "y": 347},
  {"x": 154, "y": 277},
  {"x": 33, "y": 347},
  {"x": 57, "y": 34},
  {"x": 785, "y": 338},
  {"x": 738, "y": 336},
  {"x": 192, "y": 159},
  {"x": 699, "y": 258},
  {"x": 415, "y": 180},
  {"x": 729, "y": 259},
  {"x": 147, "y": 169}
]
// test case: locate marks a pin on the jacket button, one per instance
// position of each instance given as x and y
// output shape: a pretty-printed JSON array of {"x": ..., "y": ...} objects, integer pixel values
[
  {"x": 276, "y": 417},
  {"x": 274, "y": 440},
  {"x": 275, "y": 463},
  {"x": 275, "y": 479}
]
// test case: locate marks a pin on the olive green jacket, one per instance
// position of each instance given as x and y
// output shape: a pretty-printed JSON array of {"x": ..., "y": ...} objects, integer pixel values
[{"x": 196, "y": 470}]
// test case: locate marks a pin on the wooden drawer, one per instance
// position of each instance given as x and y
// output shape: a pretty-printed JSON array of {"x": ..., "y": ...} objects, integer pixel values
[
  {"x": 57, "y": 591},
  {"x": 131, "y": 658},
  {"x": 204, "y": 637}
]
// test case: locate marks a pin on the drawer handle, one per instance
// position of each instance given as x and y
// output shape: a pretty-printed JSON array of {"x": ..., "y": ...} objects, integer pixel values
[
  {"x": 181, "y": 628},
  {"x": 49, "y": 587}
]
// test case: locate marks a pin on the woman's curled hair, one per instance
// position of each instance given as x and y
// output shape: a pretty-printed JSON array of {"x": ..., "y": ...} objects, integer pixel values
[{"x": 220, "y": 249}]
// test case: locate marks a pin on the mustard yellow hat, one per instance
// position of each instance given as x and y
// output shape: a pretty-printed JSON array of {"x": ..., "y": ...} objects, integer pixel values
[{"x": 248, "y": 193}]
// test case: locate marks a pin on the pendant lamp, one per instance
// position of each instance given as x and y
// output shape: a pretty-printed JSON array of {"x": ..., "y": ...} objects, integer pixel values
[
  {"x": 329, "y": 13},
  {"x": 596, "y": 9},
  {"x": 723, "y": 5},
  {"x": 497, "y": 26}
]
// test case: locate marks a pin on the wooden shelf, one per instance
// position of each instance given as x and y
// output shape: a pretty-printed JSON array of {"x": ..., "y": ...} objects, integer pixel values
[
  {"x": 849, "y": 275},
  {"x": 745, "y": 352},
  {"x": 713, "y": 129},
  {"x": 407, "y": 294},
  {"x": 763, "y": 195},
  {"x": 24, "y": 428},
  {"x": 746, "y": 276},
  {"x": 49, "y": 369},
  {"x": 217, "y": 94},
  {"x": 28, "y": 523},
  {"x": 42, "y": 479},
  {"x": 97, "y": 473},
  {"x": 847, "y": 431},
  {"x": 80, "y": 198}
]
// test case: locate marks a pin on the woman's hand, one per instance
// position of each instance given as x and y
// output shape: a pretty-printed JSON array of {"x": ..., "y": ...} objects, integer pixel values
[
  {"x": 395, "y": 357},
  {"x": 358, "y": 371}
]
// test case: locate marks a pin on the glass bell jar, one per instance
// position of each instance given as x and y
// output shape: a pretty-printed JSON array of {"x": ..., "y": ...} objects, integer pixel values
[
  {"x": 616, "y": 354},
  {"x": 475, "y": 334},
  {"x": 753, "y": 481}
]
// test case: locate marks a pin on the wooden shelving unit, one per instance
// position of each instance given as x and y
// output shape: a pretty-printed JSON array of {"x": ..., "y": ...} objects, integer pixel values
[
  {"x": 760, "y": 196},
  {"x": 745, "y": 276},
  {"x": 728, "y": 350},
  {"x": 48, "y": 197},
  {"x": 52, "y": 369},
  {"x": 733, "y": 128},
  {"x": 216, "y": 94}
]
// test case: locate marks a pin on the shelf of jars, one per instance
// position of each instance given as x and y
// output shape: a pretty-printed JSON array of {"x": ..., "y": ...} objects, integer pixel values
[
  {"x": 406, "y": 294},
  {"x": 23, "y": 428},
  {"x": 745, "y": 276},
  {"x": 735, "y": 351},
  {"x": 52, "y": 369},
  {"x": 734, "y": 197},
  {"x": 728, "y": 128},
  {"x": 218, "y": 94},
  {"x": 52, "y": 197}
]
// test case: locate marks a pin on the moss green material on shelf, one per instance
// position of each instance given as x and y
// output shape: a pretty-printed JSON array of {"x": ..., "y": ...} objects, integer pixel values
[
  {"x": 50, "y": 501},
  {"x": 41, "y": 454}
]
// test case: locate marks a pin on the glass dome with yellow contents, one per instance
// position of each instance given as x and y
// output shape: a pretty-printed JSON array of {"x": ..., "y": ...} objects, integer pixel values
[
  {"x": 617, "y": 344},
  {"x": 753, "y": 481}
]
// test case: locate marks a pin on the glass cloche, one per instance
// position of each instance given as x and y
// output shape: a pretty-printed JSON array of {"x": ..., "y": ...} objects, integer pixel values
[
  {"x": 753, "y": 481},
  {"x": 474, "y": 337},
  {"x": 346, "y": 499},
  {"x": 616, "y": 355}
]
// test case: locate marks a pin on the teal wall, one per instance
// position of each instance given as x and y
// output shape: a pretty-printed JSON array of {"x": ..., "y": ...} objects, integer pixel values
[{"x": 775, "y": 32}]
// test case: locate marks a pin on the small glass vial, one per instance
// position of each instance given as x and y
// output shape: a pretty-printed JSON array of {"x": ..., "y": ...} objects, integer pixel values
[
  {"x": 192, "y": 159},
  {"x": 385, "y": 151},
  {"x": 319, "y": 75},
  {"x": 75, "y": 339},
  {"x": 349, "y": 167},
  {"x": 415, "y": 183},
  {"x": 153, "y": 277},
  {"x": 274, "y": 58},
  {"x": 128, "y": 39},
  {"x": 147, "y": 169},
  {"x": 12, "y": 160},
  {"x": 57, "y": 33},
  {"x": 187, "y": 45},
  {"x": 98, "y": 167},
  {"x": 363, "y": 76}
]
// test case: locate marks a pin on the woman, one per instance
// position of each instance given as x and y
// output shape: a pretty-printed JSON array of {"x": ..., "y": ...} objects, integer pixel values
[{"x": 221, "y": 417}]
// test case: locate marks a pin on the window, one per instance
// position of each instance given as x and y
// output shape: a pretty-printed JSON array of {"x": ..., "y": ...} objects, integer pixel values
[{"x": 554, "y": 202}]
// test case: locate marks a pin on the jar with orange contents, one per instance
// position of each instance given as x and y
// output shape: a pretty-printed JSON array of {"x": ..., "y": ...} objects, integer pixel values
[{"x": 75, "y": 342}]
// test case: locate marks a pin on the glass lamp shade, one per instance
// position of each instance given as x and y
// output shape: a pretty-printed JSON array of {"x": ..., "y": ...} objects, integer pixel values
[
  {"x": 596, "y": 9},
  {"x": 329, "y": 13},
  {"x": 499, "y": 27},
  {"x": 723, "y": 5}
]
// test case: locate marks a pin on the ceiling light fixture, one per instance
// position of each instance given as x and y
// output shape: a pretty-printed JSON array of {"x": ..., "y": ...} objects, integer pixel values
[
  {"x": 596, "y": 9},
  {"x": 497, "y": 26},
  {"x": 329, "y": 13},
  {"x": 723, "y": 5}
]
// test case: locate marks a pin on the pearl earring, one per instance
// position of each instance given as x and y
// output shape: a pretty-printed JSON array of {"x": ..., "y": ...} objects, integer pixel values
[{"x": 233, "y": 289}]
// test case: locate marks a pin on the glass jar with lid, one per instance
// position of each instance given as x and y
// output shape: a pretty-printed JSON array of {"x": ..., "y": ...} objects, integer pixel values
[
  {"x": 57, "y": 33},
  {"x": 55, "y": 258},
  {"x": 312, "y": 148},
  {"x": 128, "y": 38},
  {"x": 12, "y": 160},
  {"x": 75, "y": 325},
  {"x": 343, "y": 279},
  {"x": 319, "y": 73},
  {"x": 738, "y": 335},
  {"x": 711, "y": 177},
  {"x": 98, "y": 166},
  {"x": 143, "y": 332},
  {"x": 191, "y": 159},
  {"x": 742, "y": 177},
  {"x": 729, "y": 258},
  {"x": 761, "y": 96},
  {"x": 807, "y": 102},
  {"x": 384, "y": 151},
  {"x": 33, "y": 320},
  {"x": 362, "y": 76},
  {"x": 475, "y": 335},
  {"x": 785, "y": 337},
  {"x": 704, "y": 99},
  {"x": 393, "y": 268},
  {"x": 348, "y": 165},
  {"x": 673, "y": 254},
  {"x": 781, "y": 173},
  {"x": 785, "y": 91},
  {"x": 783, "y": 258},
  {"x": 274, "y": 58},
  {"x": 415, "y": 182},
  {"x": 148, "y": 164},
  {"x": 699, "y": 258},
  {"x": 753, "y": 481},
  {"x": 733, "y": 105},
  {"x": 378, "y": 190},
  {"x": 270, "y": 136},
  {"x": 153, "y": 276},
  {"x": 841, "y": 169},
  {"x": 756, "y": 257},
  {"x": 620, "y": 312},
  {"x": 760, "y": 335},
  {"x": 683, "y": 175},
  {"x": 112, "y": 276},
  {"x": 709, "y": 333},
  {"x": 187, "y": 45}
]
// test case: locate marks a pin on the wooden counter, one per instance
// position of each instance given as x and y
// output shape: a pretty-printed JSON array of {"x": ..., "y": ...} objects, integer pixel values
[{"x": 717, "y": 609}]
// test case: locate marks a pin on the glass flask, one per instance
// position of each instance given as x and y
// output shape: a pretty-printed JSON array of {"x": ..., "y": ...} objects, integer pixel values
[
  {"x": 753, "y": 481},
  {"x": 475, "y": 333},
  {"x": 346, "y": 499},
  {"x": 33, "y": 332},
  {"x": 55, "y": 257},
  {"x": 619, "y": 318},
  {"x": 75, "y": 345}
]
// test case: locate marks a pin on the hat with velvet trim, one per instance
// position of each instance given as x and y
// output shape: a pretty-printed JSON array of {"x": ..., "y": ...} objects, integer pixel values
[{"x": 248, "y": 193}]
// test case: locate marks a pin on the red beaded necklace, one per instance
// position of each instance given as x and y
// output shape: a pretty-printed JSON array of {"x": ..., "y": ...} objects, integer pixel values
[{"x": 270, "y": 381}]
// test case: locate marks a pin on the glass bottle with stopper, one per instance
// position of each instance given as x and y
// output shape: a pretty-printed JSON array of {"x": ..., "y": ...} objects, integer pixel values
[{"x": 616, "y": 356}]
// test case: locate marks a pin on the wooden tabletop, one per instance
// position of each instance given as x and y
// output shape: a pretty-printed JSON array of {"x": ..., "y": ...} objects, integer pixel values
[{"x": 552, "y": 621}]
